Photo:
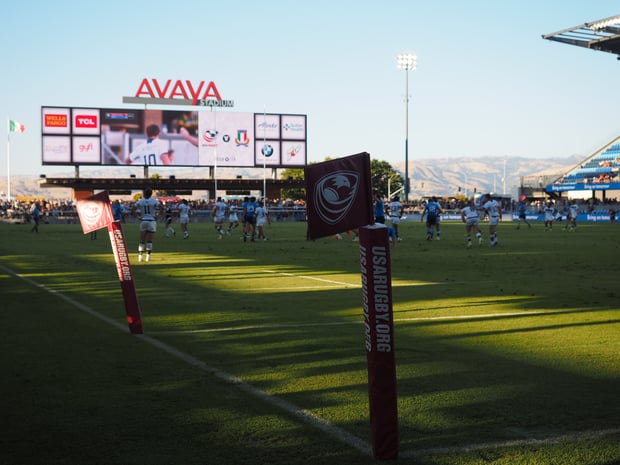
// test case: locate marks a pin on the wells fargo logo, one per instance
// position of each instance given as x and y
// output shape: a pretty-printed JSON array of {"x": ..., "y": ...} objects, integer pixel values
[{"x": 56, "y": 121}]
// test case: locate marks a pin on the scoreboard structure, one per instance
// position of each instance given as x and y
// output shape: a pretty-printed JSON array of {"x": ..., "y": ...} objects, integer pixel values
[{"x": 109, "y": 137}]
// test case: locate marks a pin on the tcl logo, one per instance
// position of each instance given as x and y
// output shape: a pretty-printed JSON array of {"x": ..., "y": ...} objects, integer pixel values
[{"x": 86, "y": 121}]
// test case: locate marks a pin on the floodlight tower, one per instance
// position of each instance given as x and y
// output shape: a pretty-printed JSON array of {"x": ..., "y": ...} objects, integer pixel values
[{"x": 406, "y": 61}]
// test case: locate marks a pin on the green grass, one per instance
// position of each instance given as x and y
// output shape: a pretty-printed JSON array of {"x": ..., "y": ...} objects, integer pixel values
[{"x": 505, "y": 355}]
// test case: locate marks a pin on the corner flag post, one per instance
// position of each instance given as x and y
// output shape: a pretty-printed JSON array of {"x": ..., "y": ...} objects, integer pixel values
[
  {"x": 95, "y": 212},
  {"x": 339, "y": 196}
]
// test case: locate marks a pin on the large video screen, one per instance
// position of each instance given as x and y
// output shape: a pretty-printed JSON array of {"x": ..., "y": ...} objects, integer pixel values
[{"x": 95, "y": 136}]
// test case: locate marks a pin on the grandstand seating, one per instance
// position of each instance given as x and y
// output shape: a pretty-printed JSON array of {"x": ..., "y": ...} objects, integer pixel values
[{"x": 603, "y": 165}]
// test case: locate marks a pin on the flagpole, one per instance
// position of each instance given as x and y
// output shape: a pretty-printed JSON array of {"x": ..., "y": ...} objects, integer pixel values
[
  {"x": 8, "y": 165},
  {"x": 264, "y": 158},
  {"x": 215, "y": 156}
]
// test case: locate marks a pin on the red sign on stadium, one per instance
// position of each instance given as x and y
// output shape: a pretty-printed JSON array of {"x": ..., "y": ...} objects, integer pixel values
[
  {"x": 52, "y": 120},
  {"x": 85, "y": 121}
]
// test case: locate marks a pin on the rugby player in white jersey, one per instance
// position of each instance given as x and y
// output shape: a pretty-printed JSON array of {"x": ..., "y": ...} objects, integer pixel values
[
  {"x": 219, "y": 215},
  {"x": 494, "y": 210},
  {"x": 549, "y": 216},
  {"x": 262, "y": 218},
  {"x": 152, "y": 152},
  {"x": 233, "y": 218},
  {"x": 395, "y": 211},
  {"x": 471, "y": 218},
  {"x": 147, "y": 209},
  {"x": 184, "y": 211},
  {"x": 571, "y": 217}
]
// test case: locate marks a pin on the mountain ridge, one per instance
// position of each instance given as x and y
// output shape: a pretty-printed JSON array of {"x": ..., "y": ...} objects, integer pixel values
[{"x": 432, "y": 176}]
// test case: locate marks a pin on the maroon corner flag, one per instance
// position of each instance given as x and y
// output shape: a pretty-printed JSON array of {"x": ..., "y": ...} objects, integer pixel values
[
  {"x": 379, "y": 329},
  {"x": 339, "y": 195},
  {"x": 95, "y": 212}
]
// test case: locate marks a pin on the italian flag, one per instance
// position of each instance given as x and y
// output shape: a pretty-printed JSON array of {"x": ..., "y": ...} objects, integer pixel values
[{"x": 14, "y": 126}]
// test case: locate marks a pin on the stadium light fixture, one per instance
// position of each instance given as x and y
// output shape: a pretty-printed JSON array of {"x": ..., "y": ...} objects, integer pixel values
[{"x": 408, "y": 62}]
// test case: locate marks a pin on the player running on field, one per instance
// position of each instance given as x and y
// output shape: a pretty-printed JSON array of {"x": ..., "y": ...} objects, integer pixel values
[
  {"x": 147, "y": 209},
  {"x": 219, "y": 215},
  {"x": 494, "y": 210},
  {"x": 395, "y": 211},
  {"x": 262, "y": 218},
  {"x": 233, "y": 218},
  {"x": 432, "y": 210},
  {"x": 550, "y": 212},
  {"x": 184, "y": 212},
  {"x": 471, "y": 218},
  {"x": 571, "y": 217},
  {"x": 249, "y": 219}
]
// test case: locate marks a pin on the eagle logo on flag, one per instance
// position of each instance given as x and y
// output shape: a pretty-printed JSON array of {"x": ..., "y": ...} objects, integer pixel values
[
  {"x": 95, "y": 212},
  {"x": 334, "y": 195},
  {"x": 339, "y": 195}
]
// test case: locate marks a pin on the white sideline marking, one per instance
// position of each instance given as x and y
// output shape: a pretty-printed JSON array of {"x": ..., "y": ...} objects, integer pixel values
[
  {"x": 513, "y": 443},
  {"x": 332, "y": 281},
  {"x": 303, "y": 415},
  {"x": 313, "y": 278},
  {"x": 306, "y": 416},
  {"x": 269, "y": 289}
]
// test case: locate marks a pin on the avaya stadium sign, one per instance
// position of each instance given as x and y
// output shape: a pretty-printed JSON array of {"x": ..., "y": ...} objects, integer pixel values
[
  {"x": 179, "y": 92},
  {"x": 196, "y": 137}
]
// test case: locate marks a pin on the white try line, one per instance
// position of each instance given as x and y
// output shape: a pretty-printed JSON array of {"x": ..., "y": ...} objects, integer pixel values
[
  {"x": 304, "y": 415},
  {"x": 570, "y": 437}
]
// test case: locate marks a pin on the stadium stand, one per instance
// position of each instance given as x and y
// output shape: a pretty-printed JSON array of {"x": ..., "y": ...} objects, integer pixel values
[{"x": 598, "y": 172}]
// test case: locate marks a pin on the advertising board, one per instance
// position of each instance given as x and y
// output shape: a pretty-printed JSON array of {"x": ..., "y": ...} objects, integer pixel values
[{"x": 133, "y": 137}]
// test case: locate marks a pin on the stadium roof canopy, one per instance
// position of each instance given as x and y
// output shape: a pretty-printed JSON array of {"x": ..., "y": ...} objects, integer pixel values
[{"x": 602, "y": 35}]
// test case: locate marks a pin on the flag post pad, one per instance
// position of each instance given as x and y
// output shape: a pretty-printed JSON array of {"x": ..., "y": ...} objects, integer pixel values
[
  {"x": 95, "y": 212},
  {"x": 339, "y": 196},
  {"x": 379, "y": 339},
  {"x": 121, "y": 257}
]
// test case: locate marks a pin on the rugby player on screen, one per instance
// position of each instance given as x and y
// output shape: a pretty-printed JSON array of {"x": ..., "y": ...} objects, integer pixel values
[{"x": 152, "y": 152}]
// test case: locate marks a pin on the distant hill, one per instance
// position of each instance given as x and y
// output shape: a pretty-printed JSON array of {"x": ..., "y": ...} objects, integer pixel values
[
  {"x": 437, "y": 176},
  {"x": 443, "y": 176}
]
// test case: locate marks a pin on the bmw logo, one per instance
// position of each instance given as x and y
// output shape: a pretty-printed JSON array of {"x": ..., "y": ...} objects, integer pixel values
[{"x": 267, "y": 150}]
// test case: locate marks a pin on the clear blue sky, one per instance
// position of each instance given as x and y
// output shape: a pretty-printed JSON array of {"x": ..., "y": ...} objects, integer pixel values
[{"x": 487, "y": 84}]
